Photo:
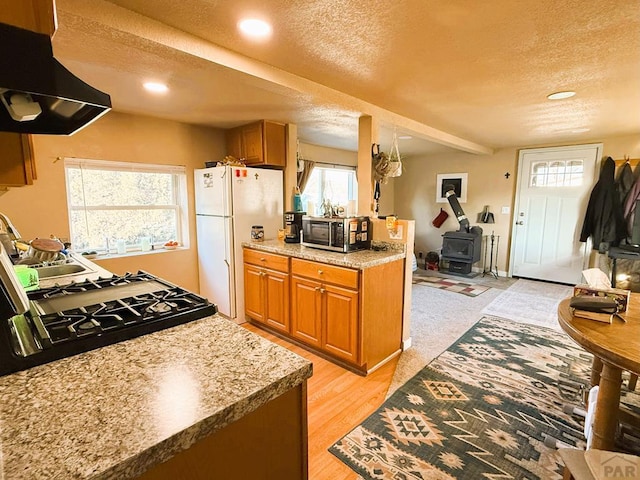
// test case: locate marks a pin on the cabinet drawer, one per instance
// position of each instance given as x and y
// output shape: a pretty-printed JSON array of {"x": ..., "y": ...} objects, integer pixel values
[
  {"x": 323, "y": 272},
  {"x": 267, "y": 260}
]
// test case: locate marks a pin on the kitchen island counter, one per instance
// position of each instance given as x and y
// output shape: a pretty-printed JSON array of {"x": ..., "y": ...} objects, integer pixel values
[
  {"x": 116, "y": 412},
  {"x": 360, "y": 259}
]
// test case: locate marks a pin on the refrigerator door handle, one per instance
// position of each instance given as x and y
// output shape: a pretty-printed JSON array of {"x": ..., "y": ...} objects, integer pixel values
[
  {"x": 226, "y": 245},
  {"x": 225, "y": 197}
]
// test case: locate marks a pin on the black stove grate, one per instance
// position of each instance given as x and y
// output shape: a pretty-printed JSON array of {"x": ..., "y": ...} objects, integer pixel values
[{"x": 128, "y": 306}]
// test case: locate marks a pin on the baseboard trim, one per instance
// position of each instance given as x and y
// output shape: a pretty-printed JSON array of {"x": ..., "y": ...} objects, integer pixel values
[{"x": 406, "y": 344}]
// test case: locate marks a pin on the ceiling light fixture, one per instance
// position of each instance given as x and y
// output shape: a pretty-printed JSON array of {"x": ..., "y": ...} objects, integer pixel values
[
  {"x": 155, "y": 87},
  {"x": 561, "y": 95},
  {"x": 254, "y": 28}
]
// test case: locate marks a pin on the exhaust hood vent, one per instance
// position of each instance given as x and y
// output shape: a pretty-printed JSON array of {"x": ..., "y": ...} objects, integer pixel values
[{"x": 39, "y": 95}]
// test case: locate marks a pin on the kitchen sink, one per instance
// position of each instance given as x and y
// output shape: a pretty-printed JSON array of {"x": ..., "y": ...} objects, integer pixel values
[{"x": 58, "y": 270}]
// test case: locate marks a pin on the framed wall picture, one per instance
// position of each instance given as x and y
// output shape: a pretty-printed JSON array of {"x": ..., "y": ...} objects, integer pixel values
[{"x": 459, "y": 183}]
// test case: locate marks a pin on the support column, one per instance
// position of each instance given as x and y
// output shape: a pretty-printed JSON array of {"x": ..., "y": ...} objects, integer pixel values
[
  {"x": 367, "y": 135},
  {"x": 291, "y": 170}
]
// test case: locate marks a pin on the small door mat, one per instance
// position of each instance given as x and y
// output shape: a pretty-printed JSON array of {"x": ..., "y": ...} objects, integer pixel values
[{"x": 450, "y": 285}]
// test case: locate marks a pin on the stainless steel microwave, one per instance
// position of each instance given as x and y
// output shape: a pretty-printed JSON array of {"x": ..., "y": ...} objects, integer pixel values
[{"x": 337, "y": 234}]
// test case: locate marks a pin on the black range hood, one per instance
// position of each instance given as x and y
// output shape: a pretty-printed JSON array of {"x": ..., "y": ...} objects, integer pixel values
[{"x": 37, "y": 94}]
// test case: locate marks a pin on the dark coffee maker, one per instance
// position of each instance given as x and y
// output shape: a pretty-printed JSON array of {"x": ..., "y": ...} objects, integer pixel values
[{"x": 293, "y": 226}]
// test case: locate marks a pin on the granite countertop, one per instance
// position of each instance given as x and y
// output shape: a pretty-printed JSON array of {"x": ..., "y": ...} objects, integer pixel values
[
  {"x": 114, "y": 412},
  {"x": 360, "y": 259}
]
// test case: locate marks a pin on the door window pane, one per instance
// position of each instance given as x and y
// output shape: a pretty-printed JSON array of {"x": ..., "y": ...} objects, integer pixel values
[{"x": 556, "y": 174}]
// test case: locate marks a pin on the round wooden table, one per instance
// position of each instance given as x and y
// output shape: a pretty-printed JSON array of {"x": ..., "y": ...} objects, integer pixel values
[{"x": 616, "y": 347}]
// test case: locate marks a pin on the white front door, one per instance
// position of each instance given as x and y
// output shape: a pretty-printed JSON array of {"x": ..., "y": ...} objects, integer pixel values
[{"x": 552, "y": 193}]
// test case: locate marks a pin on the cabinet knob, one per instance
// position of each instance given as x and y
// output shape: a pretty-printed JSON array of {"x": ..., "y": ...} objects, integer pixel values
[
  {"x": 322, "y": 290},
  {"x": 320, "y": 272},
  {"x": 317, "y": 289},
  {"x": 263, "y": 259}
]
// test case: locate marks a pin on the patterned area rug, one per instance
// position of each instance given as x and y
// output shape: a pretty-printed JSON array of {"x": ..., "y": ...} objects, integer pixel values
[
  {"x": 482, "y": 409},
  {"x": 451, "y": 285}
]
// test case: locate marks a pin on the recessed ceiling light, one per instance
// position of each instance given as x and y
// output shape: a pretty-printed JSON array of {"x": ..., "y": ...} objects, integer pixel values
[
  {"x": 405, "y": 137},
  {"x": 561, "y": 95},
  {"x": 254, "y": 28},
  {"x": 155, "y": 87}
]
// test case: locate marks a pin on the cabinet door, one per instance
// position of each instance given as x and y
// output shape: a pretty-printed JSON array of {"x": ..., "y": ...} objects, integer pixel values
[
  {"x": 275, "y": 144},
  {"x": 341, "y": 323},
  {"x": 16, "y": 163},
  {"x": 306, "y": 311},
  {"x": 252, "y": 143},
  {"x": 38, "y": 16},
  {"x": 277, "y": 300},
  {"x": 254, "y": 293},
  {"x": 233, "y": 139}
]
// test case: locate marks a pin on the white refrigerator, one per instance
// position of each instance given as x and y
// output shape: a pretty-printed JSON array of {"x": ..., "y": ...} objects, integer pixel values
[{"x": 229, "y": 201}]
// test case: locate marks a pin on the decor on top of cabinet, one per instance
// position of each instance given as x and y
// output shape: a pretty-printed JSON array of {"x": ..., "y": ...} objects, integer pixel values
[{"x": 228, "y": 160}]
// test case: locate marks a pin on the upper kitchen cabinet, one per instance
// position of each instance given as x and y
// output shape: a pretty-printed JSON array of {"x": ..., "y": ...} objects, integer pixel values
[
  {"x": 17, "y": 166},
  {"x": 35, "y": 15},
  {"x": 258, "y": 143}
]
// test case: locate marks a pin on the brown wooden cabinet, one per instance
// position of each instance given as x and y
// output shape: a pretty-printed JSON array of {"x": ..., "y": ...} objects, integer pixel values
[
  {"x": 258, "y": 143},
  {"x": 351, "y": 316},
  {"x": 306, "y": 309},
  {"x": 325, "y": 315},
  {"x": 17, "y": 167},
  {"x": 268, "y": 443},
  {"x": 266, "y": 286},
  {"x": 36, "y": 15}
]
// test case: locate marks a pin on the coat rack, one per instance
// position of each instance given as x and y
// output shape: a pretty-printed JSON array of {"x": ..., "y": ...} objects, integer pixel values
[{"x": 631, "y": 161}]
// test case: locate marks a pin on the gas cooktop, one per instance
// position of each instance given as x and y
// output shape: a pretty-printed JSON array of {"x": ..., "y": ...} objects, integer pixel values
[{"x": 70, "y": 319}]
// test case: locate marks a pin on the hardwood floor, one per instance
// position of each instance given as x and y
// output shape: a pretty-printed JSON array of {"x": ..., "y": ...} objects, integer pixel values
[{"x": 338, "y": 400}]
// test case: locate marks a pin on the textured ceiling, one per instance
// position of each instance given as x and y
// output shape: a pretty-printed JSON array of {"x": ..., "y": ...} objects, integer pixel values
[{"x": 451, "y": 73}]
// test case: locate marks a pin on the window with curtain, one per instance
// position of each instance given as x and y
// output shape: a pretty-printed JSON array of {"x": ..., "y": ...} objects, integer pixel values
[
  {"x": 113, "y": 201},
  {"x": 338, "y": 184}
]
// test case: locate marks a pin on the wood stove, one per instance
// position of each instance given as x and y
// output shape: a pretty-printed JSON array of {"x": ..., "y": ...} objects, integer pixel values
[{"x": 461, "y": 248}]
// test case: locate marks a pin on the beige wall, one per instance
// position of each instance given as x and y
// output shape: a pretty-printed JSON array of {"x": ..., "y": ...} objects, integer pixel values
[
  {"x": 317, "y": 153},
  {"x": 414, "y": 191},
  {"x": 415, "y": 194},
  {"x": 41, "y": 209}
]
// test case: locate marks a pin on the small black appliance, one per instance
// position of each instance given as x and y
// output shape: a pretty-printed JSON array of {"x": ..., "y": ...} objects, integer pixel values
[{"x": 293, "y": 226}]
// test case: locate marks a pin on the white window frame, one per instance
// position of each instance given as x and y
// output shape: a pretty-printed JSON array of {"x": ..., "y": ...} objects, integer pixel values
[
  {"x": 353, "y": 187},
  {"x": 179, "y": 193}
]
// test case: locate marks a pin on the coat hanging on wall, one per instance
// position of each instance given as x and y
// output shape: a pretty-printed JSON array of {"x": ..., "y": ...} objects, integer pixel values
[
  {"x": 604, "y": 221},
  {"x": 624, "y": 182}
]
